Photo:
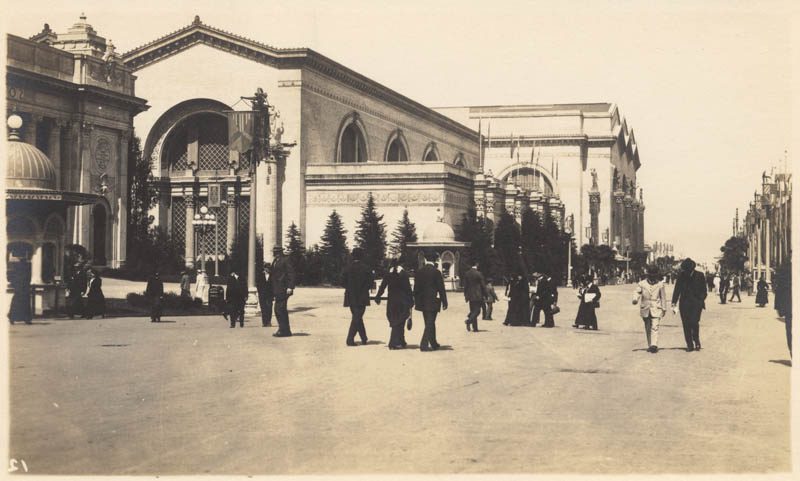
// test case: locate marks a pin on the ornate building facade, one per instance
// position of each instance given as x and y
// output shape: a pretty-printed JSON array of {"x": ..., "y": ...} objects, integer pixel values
[
  {"x": 583, "y": 155},
  {"x": 77, "y": 102},
  {"x": 768, "y": 225},
  {"x": 349, "y": 135}
]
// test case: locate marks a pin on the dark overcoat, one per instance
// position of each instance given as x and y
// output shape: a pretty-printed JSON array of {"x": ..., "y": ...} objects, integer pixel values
[
  {"x": 400, "y": 298},
  {"x": 474, "y": 285},
  {"x": 282, "y": 277},
  {"x": 429, "y": 293},
  {"x": 357, "y": 279}
]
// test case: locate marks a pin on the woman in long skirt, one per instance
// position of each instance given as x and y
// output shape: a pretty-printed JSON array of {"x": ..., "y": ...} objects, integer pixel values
[
  {"x": 762, "y": 298},
  {"x": 399, "y": 304},
  {"x": 76, "y": 286},
  {"x": 20, "y": 308},
  {"x": 589, "y": 295},
  {"x": 95, "y": 300},
  {"x": 518, "y": 309}
]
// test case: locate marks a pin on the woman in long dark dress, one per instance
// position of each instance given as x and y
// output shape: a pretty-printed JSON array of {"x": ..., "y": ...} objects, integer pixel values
[
  {"x": 399, "y": 304},
  {"x": 518, "y": 309},
  {"x": 589, "y": 296},
  {"x": 20, "y": 309},
  {"x": 762, "y": 298},
  {"x": 76, "y": 286},
  {"x": 155, "y": 292},
  {"x": 95, "y": 300}
]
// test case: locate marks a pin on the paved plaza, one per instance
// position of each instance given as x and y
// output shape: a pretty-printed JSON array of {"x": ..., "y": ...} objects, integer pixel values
[{"x": 192, "y": 396}]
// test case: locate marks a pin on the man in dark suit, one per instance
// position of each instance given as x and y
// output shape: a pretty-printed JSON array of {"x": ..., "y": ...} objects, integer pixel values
[
  {"x": 546, "y": 298},
  {"x": 357, "y": 279},
  {"x": 282, "y": 289},
  {"x": 474, "y": 293},
  {"x": 690, "y": 295},
  {"x": 235, "y": 297},
  {"x": 265, "y": 296},
  {"x": 429, "y": 297}
]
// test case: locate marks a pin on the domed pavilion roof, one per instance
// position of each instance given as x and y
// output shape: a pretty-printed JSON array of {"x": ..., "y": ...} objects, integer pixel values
[
  {"x": 439, "y": 232},
  {"x": 28, "y": 167}
]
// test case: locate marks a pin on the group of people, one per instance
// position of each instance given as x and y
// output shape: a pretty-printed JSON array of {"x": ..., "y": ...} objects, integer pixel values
[
  {"x": 85, "y": 293},
  {"x": 688, "y": 298},
  {"x": 528, "y": 300},
  {"x": 427, "y": 296}
]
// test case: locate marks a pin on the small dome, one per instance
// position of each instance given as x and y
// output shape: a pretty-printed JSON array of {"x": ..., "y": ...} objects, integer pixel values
[
  {"x": 28, "y": 167},
  {"x": 438, "y": 231}
]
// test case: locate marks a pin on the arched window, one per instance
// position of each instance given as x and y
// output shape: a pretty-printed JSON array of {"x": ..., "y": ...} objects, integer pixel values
[
  {"x": 199, "y": 142},
  {"x": 527, "y": 178},
  {"x": 397, "y": 152},
  {"x": 352, "y": 148},
  {"x": 431, "y": 154},
  {"x": 459, "y": 160}
]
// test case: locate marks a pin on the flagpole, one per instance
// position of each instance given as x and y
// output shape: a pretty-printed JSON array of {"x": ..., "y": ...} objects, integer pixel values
[{"x": 480, "y": 145}]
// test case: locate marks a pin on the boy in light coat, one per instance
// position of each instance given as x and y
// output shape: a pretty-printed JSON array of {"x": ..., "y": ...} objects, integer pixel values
[{"x": 651, "y": 295}]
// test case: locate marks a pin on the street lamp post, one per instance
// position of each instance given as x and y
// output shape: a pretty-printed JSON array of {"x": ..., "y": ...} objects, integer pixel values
[
  {"x": 202, "y": 222},
  {"x": 568, "y": 228}
]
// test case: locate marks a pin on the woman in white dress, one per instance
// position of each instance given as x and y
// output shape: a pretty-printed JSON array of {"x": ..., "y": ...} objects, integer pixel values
[{"x": 201, "y": 287}]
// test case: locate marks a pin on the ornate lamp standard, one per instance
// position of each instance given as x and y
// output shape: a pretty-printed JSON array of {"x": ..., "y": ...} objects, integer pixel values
[{"x": 203, "y": 222}]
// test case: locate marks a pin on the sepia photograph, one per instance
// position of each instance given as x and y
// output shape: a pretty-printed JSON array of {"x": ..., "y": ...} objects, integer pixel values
[{"x": 395, "y": 239}]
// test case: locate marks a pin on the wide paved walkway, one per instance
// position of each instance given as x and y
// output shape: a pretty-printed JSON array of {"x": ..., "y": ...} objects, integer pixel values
[{"x": 191, "y": 396}]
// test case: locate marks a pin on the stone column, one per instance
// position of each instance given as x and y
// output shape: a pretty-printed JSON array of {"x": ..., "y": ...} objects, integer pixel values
[
  {"x": 616, "y": 226},
  {"x": 269, "y": 199},
  {"x": 122, "y": 212},
  {"x": 230, "y": 235},
  {"x": 189, "y": 245},
  {"x": 36, "y": 262},
  {"x": 594, "y": 221},
  {"x": 29, "y": 132},
  {"x": 767, "y": 253},
  {"x": 641, "y": 226},
  {"x": 758, "y": 252},
  {"x": 54, "y": 150},
  {"x": 626, "y": 225},
  {"x": 84, "y": 184}
]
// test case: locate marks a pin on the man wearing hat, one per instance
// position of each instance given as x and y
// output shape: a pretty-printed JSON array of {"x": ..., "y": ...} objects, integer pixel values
[
  {"x": 690, "y": 297},
  {"x": 651, "y": 295},
  {"x": 282, "y": 289},
  {"x": 264, "y": 288},
  {"x": 357, "y": 279}
]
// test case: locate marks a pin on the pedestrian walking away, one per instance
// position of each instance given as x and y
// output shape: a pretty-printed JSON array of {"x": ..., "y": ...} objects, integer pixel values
[
  {"x": 95, "y": 300},
  {"x": 518, "y": 304},
  {"x": 265, "y": 295},
  {"x": 651, "y": 295},
  {"x": 546, "y": 301},
  {"x": 357, "y": 279},
  {"x": 20, "y": 279},
  {"x": 155, "y": 294},
  {"x": 724, "y": 285},
  {"x": 400, "y": 300},
  {"x": 488, "y": 302},
  {"x": 235, "y": 298},
  {"x": 589, "y": 301},
  {"x": 429, "y": 298},
  {"x": 690, "y": 297},
  {"x": 282, "y": 289},
  {"x": 762, "y": 298},
  {"x": 474, "y": 294}
]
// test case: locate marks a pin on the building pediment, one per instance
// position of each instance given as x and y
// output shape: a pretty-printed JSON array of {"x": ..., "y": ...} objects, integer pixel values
[{"x": 198, "y": 33}]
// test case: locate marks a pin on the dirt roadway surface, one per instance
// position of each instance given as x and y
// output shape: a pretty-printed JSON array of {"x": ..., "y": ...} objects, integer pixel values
[{"x": 124, "y": 396}]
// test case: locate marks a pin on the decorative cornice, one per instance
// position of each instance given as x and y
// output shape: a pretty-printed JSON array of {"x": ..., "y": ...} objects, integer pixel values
[{"x": 289, "y": 58}]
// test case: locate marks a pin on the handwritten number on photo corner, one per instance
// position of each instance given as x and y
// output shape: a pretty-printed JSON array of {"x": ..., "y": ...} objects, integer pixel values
[{"x": 13, "y": 465}]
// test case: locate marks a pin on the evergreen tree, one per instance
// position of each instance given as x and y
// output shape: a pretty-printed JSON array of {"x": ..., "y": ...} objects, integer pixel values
[
  {"x": 477, "y": 231},
  {"x": 371, "y": 235},
  {"x": 142, "y": 196},
  {"x": 296, "y": 251},
  {"x": 734, "y": 254},
  {"x": 555, "y": 246},
  {"x": 333, "y": 249},
  {"x": 507, "y": 245},
  {"x": 238, "y": 259},
  {"x": 313, "y": 266},
  {"x": 405, "y": 232},
  {"x": 532, "y": 240}
]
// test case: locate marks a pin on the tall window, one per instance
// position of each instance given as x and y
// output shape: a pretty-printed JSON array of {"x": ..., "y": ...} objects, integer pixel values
[
  {"x": 396, "y": 153},
  {"x": 529, "y": 179},
  {"x": 430, "y": 153},
  {"x": 353, "y": 149}
]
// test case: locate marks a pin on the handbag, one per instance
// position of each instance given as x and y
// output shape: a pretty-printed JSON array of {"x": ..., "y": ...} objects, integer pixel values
[
  {"x": 555, "y": 309},
  {"x": 408, "y": 322}
]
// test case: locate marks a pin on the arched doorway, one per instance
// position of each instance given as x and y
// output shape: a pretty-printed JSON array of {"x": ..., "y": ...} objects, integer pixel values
[{"x": 99, "y": 234}]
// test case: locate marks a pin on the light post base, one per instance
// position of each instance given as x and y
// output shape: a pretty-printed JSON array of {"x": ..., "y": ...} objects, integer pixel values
[{"x": 251, "y": 306}]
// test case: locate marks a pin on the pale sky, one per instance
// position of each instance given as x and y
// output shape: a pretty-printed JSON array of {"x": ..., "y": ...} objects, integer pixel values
[{"x": 706, "y": 86}]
